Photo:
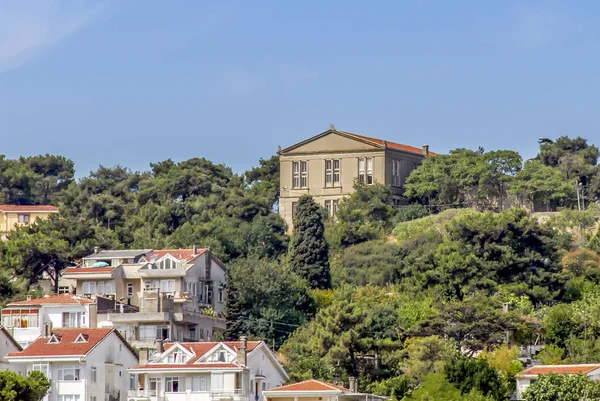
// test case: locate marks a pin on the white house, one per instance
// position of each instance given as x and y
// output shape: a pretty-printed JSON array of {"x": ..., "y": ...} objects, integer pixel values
[
  {"x": 26, "y": 319},
  {"x": 208, "y": 371},
  {"x": 83, "y": 364},
  {"x": 530, "y": 376},
  {"x": 7, "y": 345}
]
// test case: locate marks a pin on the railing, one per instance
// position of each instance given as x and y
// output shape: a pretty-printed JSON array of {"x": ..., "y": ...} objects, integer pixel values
[{"x": 141, "y": 393}]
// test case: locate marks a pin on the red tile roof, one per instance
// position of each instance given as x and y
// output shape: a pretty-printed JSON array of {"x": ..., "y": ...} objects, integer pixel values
[
  {"x": 67, "y": 345},
  {"x": 200, "y": 349},
  {"x": 63, "y": 299},
  {"x": 88, "y": 270},
  {"x": 310, "y": 385},
  {"x": 179, "y": 254},
  {"x": 28, "y": 208},
  {"x": 391, "y": 145},
  {"x": 560, "y": 369}
]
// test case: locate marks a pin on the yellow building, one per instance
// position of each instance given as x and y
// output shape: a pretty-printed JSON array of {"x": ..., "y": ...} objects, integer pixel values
[
  {"x": 22, "y": 215},
  {"x": 327, "y": 165}
]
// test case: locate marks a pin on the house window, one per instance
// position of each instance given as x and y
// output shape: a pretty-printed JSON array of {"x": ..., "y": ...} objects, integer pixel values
[
  {"x": 172, "y": 384},
  {"x": 167, "y": 264},
  {"x": 73, "y": 319},
  {"x": 300, "y": 174},
  {"x": 153, "y": 385},
  {"x": 200, "y": 383},
  {"x": 221, "y": 295},
  {"x": 132, "y": 382},
  {"x": 167, "y": 285},
  {"x": 68, "y": 373},
  {"x": 93, "y": 374},
  {"x": 63, "y": 290},
  {"x": 396, "y": 173},
  {"x": 89, "y": 287},
  {"x": 365, "y": 170},
  {"x": 20, "y": 319},
  {"x": 109, "y": 288},
  {"x": 193, "y": 334},
  {"x": 129, "y": 290},
  {"x": 42, "y": 367},
  {"x": 176, "y": 357},
  {"x": 332, "y": 173},
  {"x": 24, "y": 218},
  {"x": 101, "y": 288},
  {"x": 147, "y": 332},
  {"x": 192, "y": 289},
  {"x": 68, "y": 398},
  {"x": 329, "y": 207}
]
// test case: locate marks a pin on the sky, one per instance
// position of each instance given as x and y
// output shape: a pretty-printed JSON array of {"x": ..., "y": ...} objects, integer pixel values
[{"x": 129, "y": 82}]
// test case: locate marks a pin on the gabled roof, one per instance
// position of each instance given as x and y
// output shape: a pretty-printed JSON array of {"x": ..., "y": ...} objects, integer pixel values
[
  {"x": 182, "y": 255},
  {"x": 62, "y": 299},
  {"x": 376, "y": 142},
  {"x": 29, "y": 208},
  {"x": 311, "y": 385},
  {"x": 559, "y": 369},
  {"x": 67, "y": 347},
  {"x": 200, "y": 350},
  {"x": 10, "y": 338}
]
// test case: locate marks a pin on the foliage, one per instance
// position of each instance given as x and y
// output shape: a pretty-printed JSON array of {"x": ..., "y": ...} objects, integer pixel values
[
  {"x": 266, "y": 300},
  {"x": 309, "y": 252},
  {"x": 426, "y": 355},
  {"x": 475, "y": 373},
  {"x": 365, "y": 215},
  {"x": 435, "y": 387},
  {"x": 15, "y": 387},
  {"x": 551, "y": 355},
  {"x": 563, "y": 387}
]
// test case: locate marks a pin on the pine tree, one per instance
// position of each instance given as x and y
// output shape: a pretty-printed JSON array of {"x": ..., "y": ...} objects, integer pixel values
[
  {"x": 309, "y": 252},
  {"x": 234, "y": 313},
  {"x": 594, "y": 244}
]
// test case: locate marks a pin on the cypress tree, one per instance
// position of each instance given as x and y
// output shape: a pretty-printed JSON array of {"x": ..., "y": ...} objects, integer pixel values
[
  {"x": 309, "y": 252},
  {"x": 234, "y": 311}
]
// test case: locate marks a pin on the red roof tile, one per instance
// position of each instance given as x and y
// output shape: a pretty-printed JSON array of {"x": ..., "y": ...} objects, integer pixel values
[
  {"x": 67, "y": 345},
  {"x": 310, "y": 385},
  {"x": 560, "y": 369},
  {"x": 179, "y": 254},
  {"x": 391, "y": 145},
  {"x": 28, "y": 208},
  {"x": 63, "y": 299},
  {"x": 190, "y": 366},
  {"x": 88, "y": 270}
]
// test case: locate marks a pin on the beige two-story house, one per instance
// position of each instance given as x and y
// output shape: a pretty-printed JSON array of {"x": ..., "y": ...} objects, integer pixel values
[{"x": 327, "y": 165}]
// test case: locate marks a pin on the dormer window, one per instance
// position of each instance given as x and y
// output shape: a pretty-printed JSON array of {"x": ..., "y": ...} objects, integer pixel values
[
  {"x": 167, "y": 263},
  {"x": 54, "y": 339},
  {"x": 176, "y": 357},
  {"x": 221, "y": 356},
  {"x": 82, "y": 338}
]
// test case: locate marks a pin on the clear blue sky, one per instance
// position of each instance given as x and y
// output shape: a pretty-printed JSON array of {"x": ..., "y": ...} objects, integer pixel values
[{"x": 129, "y": 82}]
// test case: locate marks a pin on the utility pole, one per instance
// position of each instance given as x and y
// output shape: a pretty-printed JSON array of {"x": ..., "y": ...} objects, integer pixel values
[{"x": 577, "y": 190}]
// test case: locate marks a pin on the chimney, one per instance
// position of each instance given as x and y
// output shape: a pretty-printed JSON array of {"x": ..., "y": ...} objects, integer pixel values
[
  {"x": 331, "y": 127},
  {"x": 48, "y": 329},
  {"x": 426, "y": 150},
  {"x": 353, "y": 384},
  {"x": 195, "y": 249},
  {"x": 143, "y": 356},
  {"x": 242, "y": 353},
  {"x": 385, "y": 144},
  {"x": 29, "y": 297},
  {"x": 159, "y": 346},
  {"x": 96, "y": 249}
]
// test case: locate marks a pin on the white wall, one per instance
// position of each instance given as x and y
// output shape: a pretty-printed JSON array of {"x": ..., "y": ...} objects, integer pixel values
[
  {"x": 260, "y": 363},
  {"x": 54, "y": 314},
  {"x": 6, "y": 346}
]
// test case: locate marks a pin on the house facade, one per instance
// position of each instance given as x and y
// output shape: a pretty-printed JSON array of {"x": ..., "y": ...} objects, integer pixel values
[
  {"x": 327, "y": 166},
  {"x": 176, "y": 295},
  {"x": 25, "y": 320},
  {"x": 207, "y": 371},
  {"x": 530, "y": 376},
  {"x": 8, "y": 345},
  {"x": 12, "y": 216},
  {"x": 82, "y": 364}
]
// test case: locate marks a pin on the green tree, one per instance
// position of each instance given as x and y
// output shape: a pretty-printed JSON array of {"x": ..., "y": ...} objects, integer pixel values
[
  {"x": 309, "y": 252},
  {"x": 14, "y": 387},
  {"x": 468, "y": 374},
  {"x": 562, "y": 387},
  {"x": 435, "y": 387},
  {"x": 426, "y": 355}
]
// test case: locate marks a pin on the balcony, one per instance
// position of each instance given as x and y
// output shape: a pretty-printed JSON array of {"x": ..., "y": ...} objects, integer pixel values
[{"x": 162, "y": 273}]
